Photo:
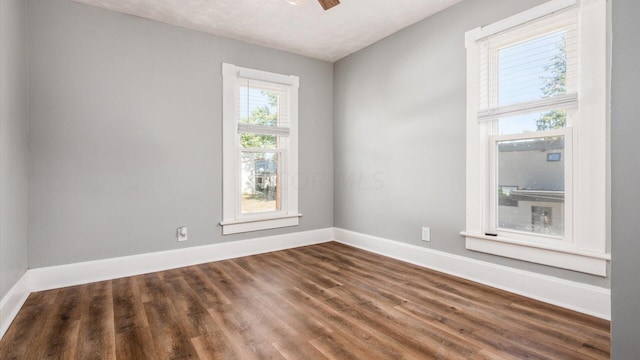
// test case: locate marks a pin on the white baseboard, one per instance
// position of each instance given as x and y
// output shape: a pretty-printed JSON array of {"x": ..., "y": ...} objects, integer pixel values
[
  {"x": 588, "y": 299},
  {"x": 54, "y": 277},
  {"x": 12, "y": 302},
  {"x": 576, "y": 296}
]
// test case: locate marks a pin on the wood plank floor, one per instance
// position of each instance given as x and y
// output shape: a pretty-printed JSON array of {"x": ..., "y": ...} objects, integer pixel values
[{"x": 326, "y": 301}]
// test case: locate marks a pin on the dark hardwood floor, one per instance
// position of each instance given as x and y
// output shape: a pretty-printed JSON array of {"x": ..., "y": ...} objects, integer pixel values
[{"x": 326, "y": 301}]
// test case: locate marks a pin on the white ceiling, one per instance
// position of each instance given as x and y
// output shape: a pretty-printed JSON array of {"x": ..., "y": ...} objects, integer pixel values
[{"x": 303, "y": 29}]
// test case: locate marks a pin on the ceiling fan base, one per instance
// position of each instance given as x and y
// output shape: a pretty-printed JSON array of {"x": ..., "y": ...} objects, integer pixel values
[{"x": 328, "y": 4}]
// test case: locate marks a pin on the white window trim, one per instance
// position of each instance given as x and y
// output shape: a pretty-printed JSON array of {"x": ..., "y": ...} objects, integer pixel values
[
  {"x": 233, "y": 220},
  {"x": 587, "y": 251}
]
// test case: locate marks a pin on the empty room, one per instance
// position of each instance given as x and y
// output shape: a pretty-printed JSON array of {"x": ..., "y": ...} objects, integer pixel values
[{"x": 319, "y": 179}]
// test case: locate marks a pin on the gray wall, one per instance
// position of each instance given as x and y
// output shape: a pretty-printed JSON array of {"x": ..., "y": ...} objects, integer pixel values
[
  {"x": 125, "y": 134},
  {"x": 399, "y": 134},
  {"x": 13, "y": 143},
  {"x": 625, "y": 172}
]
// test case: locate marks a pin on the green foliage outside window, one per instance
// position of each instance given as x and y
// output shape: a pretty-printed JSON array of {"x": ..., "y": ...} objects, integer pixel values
[
  {"x": 555, "y": 84},
  {"x": 266, "y": 115}
]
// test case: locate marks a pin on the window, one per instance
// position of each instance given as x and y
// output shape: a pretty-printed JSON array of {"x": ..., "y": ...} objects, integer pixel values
[
  {"x": 260, "y": 143},
  {"x": 537, "y": 136}
]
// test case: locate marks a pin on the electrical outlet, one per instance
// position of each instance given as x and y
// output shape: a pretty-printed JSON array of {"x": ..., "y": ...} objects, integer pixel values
[
  {"x": 426, "y": 234},
  {"x": 181, "y": 233}
]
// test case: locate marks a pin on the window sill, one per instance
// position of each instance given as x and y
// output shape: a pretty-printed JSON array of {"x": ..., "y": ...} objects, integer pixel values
[
  {"x": 256, "y": 224},
  {"x": 572, "y": 259}
]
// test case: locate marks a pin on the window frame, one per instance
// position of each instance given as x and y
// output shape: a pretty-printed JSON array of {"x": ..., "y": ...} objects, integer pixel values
[
  {"x": 233, "y": 219},
  {"x": 586, "y": 198}
]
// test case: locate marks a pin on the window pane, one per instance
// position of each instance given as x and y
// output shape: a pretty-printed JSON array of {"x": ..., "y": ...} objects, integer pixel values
[
  {"x": 539, "y": 121},
  {"x": 258, "y": 141},
  {"x": 533, "y": 69},
  {"x": 530, "y": 180},
  {"x": 260, "y": 182},
  {"x": 262, "y": 105}
]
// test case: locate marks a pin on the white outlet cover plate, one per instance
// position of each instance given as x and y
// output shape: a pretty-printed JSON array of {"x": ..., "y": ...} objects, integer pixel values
[
  {"x": 426, "y": 234},
  {"x": 182, "y": 236}
]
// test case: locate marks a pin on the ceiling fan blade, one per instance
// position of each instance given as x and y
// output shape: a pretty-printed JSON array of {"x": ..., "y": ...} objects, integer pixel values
[{"x": 328, "y": 4}]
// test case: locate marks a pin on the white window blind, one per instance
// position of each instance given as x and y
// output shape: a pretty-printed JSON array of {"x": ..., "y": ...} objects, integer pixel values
[
  {"x": 530, "y": 68},
  {"x": 263, "y": 108}
]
